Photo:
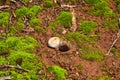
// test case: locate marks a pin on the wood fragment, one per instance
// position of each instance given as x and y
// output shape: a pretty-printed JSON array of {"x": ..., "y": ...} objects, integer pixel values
[
  {"x": 11, "y": 66},
  {"x": 117, "y": 37},
  {"x": 74, "y": 23},
  {"x": 5, "y": 78},
  {"x": 5, "y": 6},
  {"x": 69, "y": 6}
]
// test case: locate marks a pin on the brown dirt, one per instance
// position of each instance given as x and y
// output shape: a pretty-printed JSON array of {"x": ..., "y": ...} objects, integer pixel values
[{"x": 71, "y": 59}]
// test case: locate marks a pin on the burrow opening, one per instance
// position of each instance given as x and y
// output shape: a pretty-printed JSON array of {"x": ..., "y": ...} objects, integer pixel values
[{"x": 64, "y": 48}]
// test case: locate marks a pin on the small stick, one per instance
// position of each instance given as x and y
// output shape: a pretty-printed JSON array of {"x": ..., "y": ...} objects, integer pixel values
[
  {"x": 5, "y": 78},
  {"x": 11, "y": 66},
  {"x": 74, "y": 23},
  {"x": 118, "y": 35},
  {"x": 5, "y": 6}
]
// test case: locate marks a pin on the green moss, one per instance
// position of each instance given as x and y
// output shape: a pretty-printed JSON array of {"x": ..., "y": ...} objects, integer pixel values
[
  {"x": 101, "y": 8},
  {"x": 115, "y": 52},
  {"x": 59, "y": 72},
  {"x": 104, "y": 78},
  {"x": 39, "y": 29},
  {"x": 53, "y": 26},
  {"x": 4, "y": 18},
  {"x": 12, "y": 31},
  {"x": 34, "y": 10},
  {"x": 91, "y": 54},
  {"x": 26, "y": 1},
  {"x": 19, "y": 25},
  {"x": 34, "y": 22},
  {"x": 29, "y": 61},
  {"x": 20, "y": 49},
  {"x": 118, "y": 8},
  {"x": 2, "y": 60},
  {"x": 79, "y": 38},
  {"x": 65, "y": 19},
  {"x": 27, "y": 44},
  {"x": 21, "y": 43},
  {"x": 92, "y": 1},
  {"x": 87, "y": 26},
  {"x": 21, "y": 12},
  {"x": 24, "y": 11},
  {"x": 111, "y": 23},
  {"x": 48, "y": 3}
]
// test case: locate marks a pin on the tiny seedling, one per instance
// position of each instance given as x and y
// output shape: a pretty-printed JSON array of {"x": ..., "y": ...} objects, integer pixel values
[
  {"x": 60, "y": 73},
  {"x": 65, "y": 19}
]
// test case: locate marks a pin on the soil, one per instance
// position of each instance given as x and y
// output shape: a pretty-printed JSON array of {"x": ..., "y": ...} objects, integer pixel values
[{"x": 70, "y": 60}]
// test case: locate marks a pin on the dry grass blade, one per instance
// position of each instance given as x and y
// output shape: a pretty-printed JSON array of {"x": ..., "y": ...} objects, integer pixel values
[
  {"x": 5, "y": 6},
  {"x": 118, "y": 35},
  {"x": 16, "y": 67},
  {"x": 6, "y": 78}
]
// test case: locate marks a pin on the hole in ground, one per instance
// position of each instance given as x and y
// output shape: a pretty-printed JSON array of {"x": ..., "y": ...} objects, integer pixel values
[{"x": 64, "y": 48}]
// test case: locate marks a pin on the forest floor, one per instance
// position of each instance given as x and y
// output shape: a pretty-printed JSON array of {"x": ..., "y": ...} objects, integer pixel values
[{"x": 78, "y": 68}]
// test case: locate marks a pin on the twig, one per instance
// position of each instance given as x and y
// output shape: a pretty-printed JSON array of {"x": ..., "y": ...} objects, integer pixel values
[
  {"x": 5, "y": 6},
  {"x": 5, "y": 78},
  {"x": 11, "y": 66},
  {"x": 70, "y": 6},
  {"x": 74, "y": 23},
  {"x": 118, "y": 35}
]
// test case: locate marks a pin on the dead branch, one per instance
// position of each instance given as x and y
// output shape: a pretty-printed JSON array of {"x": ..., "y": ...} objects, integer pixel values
[
  {"x": 16, "y": 67},
  {"x": 117, "y": 37},
  {"x": 5, "y": 6},
  {"x": 5, "y": 78}
]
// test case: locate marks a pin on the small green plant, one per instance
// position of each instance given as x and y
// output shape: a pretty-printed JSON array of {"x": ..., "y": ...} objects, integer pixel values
[
  {"x": 65, "y": 19},
  {"x": 48, "y": 3},
  {"x": 59, "y": 72},
  {"x": 4, "y": 19},
  {"x": 88, "y": 26},
  {"x": 91, "y": 54}
]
